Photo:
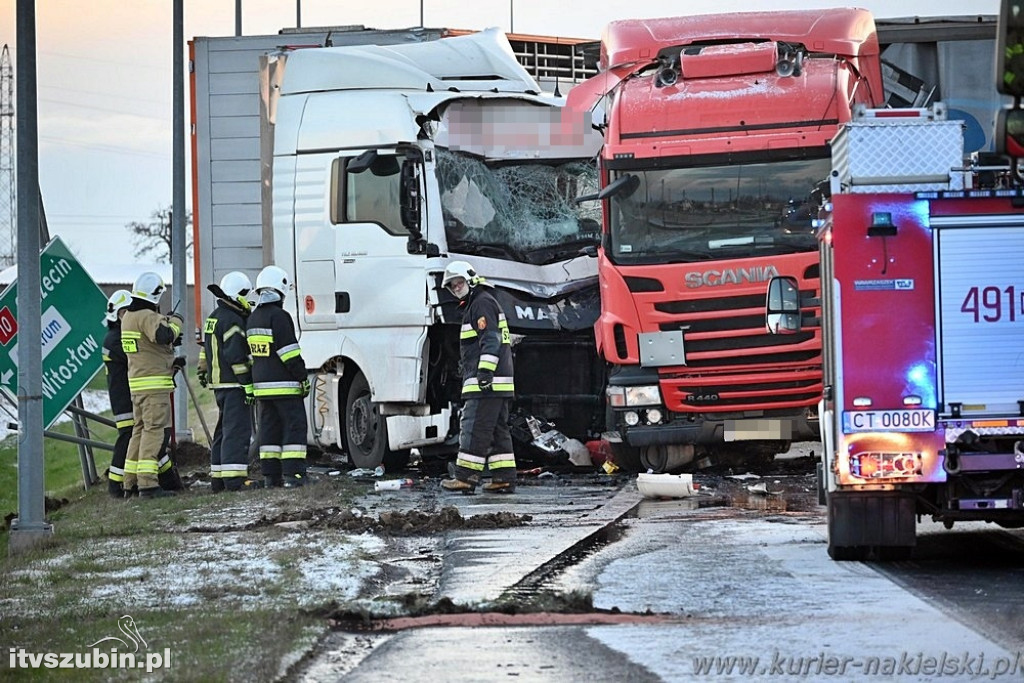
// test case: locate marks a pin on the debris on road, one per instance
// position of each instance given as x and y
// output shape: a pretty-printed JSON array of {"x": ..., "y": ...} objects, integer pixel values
[
  {"x": 759, "y": 488},
  {"x": 665, "y": 485}
]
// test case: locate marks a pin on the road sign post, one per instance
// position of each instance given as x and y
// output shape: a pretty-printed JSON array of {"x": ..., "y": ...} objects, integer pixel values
[{"x": 72, "y": 330}]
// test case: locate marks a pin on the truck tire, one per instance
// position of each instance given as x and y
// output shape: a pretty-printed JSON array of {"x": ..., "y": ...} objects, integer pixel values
[
  {"x": 848, "y": 553},
  {"x": 366, "y": 433}
]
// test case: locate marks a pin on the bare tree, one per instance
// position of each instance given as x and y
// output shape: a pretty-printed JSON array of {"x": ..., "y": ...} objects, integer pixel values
[{"x": 153, "y": 239}]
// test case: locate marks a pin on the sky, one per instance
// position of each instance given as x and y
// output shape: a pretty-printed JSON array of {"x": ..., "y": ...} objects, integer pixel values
[{"x": 104, "y": 83}]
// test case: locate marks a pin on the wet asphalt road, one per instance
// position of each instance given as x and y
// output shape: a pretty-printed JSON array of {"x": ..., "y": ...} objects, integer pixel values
[{"x": 745, "y": 583}]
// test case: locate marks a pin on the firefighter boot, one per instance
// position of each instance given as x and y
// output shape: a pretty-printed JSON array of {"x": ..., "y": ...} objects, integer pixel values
[
  {"x": 464, "y": 487},
  {"x": 500, "y": 487},
  {"x": 294, "y": 481},
  {"x": 115, "y": 489}
]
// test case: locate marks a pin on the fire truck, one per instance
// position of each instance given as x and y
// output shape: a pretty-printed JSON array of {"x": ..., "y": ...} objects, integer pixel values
[
  {"x": 922, "y": 315},
  {"x": 715, "y": 162}
]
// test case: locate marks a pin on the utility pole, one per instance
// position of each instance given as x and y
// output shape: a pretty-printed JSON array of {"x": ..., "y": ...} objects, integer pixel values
[
  {"x": 8, "y": 181},
  {"x": 30, "y": 527},
  {"x": 179, "y": 286}
]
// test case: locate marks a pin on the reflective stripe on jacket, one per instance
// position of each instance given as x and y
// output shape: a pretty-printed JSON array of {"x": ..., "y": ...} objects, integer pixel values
[
  {"x": 225, "y": 351},
  {"x": 149, "y": 360},
  {"x": 485, "y": 344},
  {"x": 115, "y": 363},
  {"x": 278, "y": 369}
]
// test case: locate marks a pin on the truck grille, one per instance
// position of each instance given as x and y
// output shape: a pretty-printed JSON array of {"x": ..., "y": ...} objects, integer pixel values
[{"x": 732, "y": 363}]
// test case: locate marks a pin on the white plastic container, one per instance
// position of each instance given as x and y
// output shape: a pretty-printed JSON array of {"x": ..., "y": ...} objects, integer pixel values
[{"x": 665, "y": 485}]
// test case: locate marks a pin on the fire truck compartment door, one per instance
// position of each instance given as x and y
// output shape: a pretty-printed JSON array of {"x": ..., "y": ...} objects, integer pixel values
[{"x": 980, "y": 286}]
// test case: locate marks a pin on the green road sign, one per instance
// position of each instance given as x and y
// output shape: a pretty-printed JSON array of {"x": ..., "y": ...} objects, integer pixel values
[{"x": 72, "y": 330}]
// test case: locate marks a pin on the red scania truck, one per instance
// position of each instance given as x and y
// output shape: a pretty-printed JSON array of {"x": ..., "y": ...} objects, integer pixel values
[{"x": 716, "y": 159}]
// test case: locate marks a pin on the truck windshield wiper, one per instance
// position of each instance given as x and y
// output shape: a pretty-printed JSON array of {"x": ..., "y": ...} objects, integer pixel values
[{"x": 491, "y": 250}]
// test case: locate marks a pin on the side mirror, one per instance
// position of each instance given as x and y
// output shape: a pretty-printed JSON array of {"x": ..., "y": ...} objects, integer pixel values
[
  {"x": 1010, "y": 132},
  {"x": 782, "y": 308},
  {"x": 361, "y": 162},
  {"x": 1010, "y": 48},
  {"x": 409, "y": 205},
  {"x": 623, "y": 185}
]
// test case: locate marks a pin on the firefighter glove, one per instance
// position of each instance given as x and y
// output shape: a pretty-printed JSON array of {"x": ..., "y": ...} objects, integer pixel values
[
  {"x": 484, "y": 379},
  {"x": 203, "y": 378},
  {"x": 249, "y": 397},
  {"x": 305, "y": 388},
  {"x": 178, "y": 363}
]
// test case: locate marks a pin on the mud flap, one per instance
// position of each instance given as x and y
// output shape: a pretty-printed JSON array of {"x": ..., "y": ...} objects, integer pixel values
[{"x": 861, "y": 521}]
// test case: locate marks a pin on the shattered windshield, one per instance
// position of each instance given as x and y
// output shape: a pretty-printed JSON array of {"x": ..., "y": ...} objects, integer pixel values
[
  {"x": 714, "y": 212},
  {"x": 521, "y": 211}
]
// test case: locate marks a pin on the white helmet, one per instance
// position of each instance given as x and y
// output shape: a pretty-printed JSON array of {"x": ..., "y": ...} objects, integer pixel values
[
  {"x": 455, "y": 271},
  {"x": 273, "y": 277},
  {"x": 235, "y": 284},
  {"x": 149, "y": 287},
  {"x": 122, "y": 298}
]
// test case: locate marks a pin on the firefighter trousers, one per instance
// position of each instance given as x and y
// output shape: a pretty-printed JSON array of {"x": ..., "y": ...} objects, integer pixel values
[
  {"x": 229, "y": 452},
  {"x": 148, "y": 444},
  {"x": 282, "y": 436},
  {"x": 485, "y": 441},
  {"x": 115, "y": 477}
]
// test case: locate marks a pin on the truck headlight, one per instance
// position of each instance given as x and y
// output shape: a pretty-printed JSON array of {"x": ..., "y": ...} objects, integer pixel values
[
  {"x": 643, "y": 396},
  {"x": 621, "y": 397},
  {"x": 631, "y": 418}
]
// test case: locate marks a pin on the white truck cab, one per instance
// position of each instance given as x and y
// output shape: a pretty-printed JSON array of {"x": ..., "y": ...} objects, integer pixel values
[{"x": 385, "y": 163}]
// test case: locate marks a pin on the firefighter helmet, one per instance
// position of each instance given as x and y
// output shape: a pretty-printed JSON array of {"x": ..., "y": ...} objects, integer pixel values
[
  {"x": 273, "y": 277},
  {"x": 455, "y": 271},
  {"x": 149, "y": 287},
  {"x": 122, "y": 298},
  {"x": 235, "y": 284}
]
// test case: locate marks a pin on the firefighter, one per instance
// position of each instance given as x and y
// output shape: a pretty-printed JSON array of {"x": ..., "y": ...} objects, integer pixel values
[
  {"x": 485, "y": 441},
  {"x": 115, "y": 364},
  {"x": 279, "y": 382},
  {"x": 224, "y": 367},
  {"x": 148, "y": 339}
]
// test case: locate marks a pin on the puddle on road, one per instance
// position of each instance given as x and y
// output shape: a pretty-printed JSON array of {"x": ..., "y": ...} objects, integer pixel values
[{"x": 776, "y": 495}]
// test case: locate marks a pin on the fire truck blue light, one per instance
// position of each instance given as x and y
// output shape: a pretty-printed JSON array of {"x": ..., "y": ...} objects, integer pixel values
[{"x": 920, "y": 380}]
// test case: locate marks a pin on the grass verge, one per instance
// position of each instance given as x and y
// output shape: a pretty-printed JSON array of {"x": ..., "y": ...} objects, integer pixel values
[{"x": 209, "y": 579}]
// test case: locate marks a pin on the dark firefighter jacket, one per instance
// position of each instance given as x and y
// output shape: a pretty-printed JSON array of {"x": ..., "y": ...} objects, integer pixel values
[
  {"x": 278, "y": 369},
  {"x": 147, "y": 337},
  {"x": 224, "y": 355},
  {"x": 485, "y": 345},
  {"x": 115, "y": 363}
]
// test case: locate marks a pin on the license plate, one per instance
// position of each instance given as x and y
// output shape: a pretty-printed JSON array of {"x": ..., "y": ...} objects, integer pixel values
[
  {"x": 755, "y": 430},
  {"x": 915, "y": 420}
]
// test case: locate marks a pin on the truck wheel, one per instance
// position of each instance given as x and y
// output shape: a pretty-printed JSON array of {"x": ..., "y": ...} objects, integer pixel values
[
  {"x": 626, "y": 457},
  {"x": 848, "y": 553},
  {"x": 366, "y": 434}
]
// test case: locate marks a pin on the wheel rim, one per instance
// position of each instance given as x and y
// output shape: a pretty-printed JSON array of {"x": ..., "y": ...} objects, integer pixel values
[{"x": 363, "y": 428}]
